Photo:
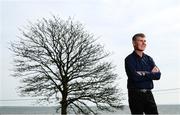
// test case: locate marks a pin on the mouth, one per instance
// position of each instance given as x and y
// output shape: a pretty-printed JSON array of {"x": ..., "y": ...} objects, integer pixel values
[{"x": 144, "y": 46}]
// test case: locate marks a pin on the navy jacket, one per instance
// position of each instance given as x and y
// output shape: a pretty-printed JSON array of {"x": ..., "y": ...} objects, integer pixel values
[{"x": 134, "y": 63}]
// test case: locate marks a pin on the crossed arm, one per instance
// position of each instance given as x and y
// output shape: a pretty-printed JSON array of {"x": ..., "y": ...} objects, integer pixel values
[
  {"x": 154, "y": 74},
  {"x": 141, "y": 75},
  {"x": 154, "y": 70}
]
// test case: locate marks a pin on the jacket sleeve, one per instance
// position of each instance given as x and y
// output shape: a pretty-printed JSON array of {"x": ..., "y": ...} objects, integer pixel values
[{"x": 152, "y": 75}]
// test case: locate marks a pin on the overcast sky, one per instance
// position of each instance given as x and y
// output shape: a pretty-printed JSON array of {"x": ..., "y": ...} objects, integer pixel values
[{"x": 114, "y": 22}]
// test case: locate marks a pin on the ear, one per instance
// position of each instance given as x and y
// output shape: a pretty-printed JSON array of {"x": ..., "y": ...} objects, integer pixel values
[{"x": 133, "y": 42}]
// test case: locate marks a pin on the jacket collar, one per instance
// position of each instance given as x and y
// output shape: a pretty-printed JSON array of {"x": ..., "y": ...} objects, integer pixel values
[{"x": 137, "y": 56}]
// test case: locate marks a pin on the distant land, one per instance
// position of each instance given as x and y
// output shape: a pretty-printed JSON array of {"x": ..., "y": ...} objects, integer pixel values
[{"x": 32, "y": 110}]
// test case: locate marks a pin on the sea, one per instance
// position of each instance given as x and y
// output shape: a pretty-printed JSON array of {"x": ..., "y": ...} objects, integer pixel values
[{"x": 31, "y": 110}]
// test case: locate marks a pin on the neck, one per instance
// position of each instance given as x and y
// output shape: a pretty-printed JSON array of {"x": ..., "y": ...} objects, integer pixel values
[{"x": 140, "y": 53}]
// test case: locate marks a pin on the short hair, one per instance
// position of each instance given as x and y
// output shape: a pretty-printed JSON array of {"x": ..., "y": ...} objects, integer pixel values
[{"x": 138, "y": 35}]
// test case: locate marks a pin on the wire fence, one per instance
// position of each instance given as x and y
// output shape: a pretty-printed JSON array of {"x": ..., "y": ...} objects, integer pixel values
[{"x": 155, "y": 91}]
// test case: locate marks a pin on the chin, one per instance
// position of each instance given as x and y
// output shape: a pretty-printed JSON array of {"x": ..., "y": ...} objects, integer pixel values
[
  {"x": 143, "y": 49},
  {"x": 140, "y": 49}
]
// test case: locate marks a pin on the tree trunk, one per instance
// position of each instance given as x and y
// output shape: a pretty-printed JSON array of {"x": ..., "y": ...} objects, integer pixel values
[
  {"x": 64, "y": 102},
  {"x": 64, "y": 107}
]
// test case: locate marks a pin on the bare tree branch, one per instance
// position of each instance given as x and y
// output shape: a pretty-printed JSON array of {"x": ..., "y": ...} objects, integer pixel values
[{"x": 59, "y": 61}]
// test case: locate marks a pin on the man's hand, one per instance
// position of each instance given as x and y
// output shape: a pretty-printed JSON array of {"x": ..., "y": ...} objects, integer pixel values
[{"x": 155, "y": 69}]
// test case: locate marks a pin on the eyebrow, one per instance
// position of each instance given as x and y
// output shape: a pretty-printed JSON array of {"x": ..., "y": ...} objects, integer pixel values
[{"x": 141, "y": 40}]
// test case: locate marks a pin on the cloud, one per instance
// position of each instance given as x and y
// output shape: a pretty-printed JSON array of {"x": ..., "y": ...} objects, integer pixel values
[{"x": 165, "y": 21}]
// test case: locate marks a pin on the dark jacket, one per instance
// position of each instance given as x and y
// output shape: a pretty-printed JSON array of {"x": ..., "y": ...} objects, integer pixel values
[{"x": 134, "y": 63}]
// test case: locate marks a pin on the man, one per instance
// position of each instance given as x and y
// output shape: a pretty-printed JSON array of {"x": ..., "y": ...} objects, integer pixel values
[{"x": 141, "y": 71}]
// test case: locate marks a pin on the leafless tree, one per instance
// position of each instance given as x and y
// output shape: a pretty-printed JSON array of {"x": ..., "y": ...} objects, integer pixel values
[{"x": 60, "y": 62}]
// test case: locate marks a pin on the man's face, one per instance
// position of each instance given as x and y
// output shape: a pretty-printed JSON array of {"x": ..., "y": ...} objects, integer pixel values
[{"x": 139, "y": 43}]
